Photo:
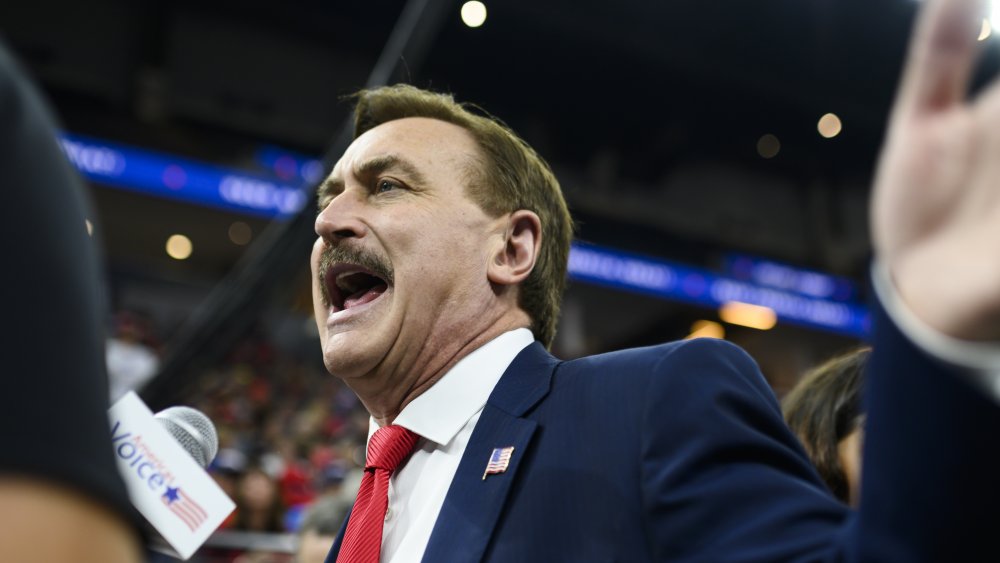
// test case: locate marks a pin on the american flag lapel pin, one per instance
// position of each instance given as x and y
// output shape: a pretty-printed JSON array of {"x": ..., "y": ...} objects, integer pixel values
[{"x": 499, "y": 460}]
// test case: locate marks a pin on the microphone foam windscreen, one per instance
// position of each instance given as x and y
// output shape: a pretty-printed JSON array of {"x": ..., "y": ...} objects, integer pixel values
[{"x": 193, "y": 430}]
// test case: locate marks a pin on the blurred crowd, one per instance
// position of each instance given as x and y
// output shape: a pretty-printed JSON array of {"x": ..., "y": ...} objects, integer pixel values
[{"x": 290, "y": 435}]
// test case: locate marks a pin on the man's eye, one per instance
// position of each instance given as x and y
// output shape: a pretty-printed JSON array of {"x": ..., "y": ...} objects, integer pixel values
[{"x": 385, "y": 186}]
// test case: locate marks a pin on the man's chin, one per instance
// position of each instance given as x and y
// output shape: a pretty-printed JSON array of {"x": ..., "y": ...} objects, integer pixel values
[{"x": 348, "y": 359}]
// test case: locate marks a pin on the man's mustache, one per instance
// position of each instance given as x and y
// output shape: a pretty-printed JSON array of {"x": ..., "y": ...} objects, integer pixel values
[{"x": 376, "y": 263}]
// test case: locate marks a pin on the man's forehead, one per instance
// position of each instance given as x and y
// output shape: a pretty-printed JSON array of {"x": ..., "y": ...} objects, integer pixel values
[{"x": 418, "y": 138}]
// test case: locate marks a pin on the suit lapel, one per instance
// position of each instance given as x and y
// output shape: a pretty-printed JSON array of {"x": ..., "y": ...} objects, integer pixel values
[{"x": 473, "y": 504}]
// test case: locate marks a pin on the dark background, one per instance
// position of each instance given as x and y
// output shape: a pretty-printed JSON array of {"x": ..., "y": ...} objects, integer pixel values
[{"x": 650, "y": 113}]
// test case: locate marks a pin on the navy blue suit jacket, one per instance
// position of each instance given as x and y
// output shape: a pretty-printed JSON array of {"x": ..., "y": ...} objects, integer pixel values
[{"x": 679, "y": 452}]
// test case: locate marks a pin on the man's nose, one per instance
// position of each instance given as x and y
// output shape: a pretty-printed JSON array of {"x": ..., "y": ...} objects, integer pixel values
[{"x": 341, "y": 219}]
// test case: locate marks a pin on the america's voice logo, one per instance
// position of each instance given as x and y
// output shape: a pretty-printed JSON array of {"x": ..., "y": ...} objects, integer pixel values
[
  {"x": 150, "y": 470},
  {"x": 190, "y": 512}
]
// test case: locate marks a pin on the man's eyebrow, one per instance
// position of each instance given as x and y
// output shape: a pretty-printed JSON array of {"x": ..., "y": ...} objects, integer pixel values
[
  {"x": 384, "y": 163},
  {"x": 330, "y": 188},
  {"x": 374, "y": 166}
]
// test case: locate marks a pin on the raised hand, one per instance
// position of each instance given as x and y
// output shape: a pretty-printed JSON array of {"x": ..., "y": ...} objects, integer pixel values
[{"x": 936, "y": 206}]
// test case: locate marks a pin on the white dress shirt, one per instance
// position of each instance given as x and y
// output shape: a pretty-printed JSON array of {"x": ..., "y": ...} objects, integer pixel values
[{"x": 444, "y": 416}]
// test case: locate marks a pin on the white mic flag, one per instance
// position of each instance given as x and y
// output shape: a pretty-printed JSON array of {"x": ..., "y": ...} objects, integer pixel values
[{"x": 168, "y": 487}]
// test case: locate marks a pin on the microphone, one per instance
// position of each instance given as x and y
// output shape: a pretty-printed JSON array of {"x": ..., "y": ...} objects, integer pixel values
[
  {"x": 162, "y": 459},
  {"x": 193, "y": 431}
]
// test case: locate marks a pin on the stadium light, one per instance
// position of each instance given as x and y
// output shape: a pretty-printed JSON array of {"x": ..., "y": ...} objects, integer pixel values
[{"x": 473, "y": 13}]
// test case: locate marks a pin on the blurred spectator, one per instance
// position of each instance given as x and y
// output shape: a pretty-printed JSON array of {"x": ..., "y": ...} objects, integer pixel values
[
  {"x": 226, "y": 469},
  {"x": 330, "y": 480},
  {"x": 296, "y": 484},
  {"x": 320, "y": 526},
  {"x": 824, "y": 411},
  {"x": 258, "y": 504},
  {"x": 130, "y": 356}
]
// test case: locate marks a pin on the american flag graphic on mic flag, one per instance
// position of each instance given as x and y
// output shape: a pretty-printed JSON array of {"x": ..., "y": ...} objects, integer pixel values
[
  {"x": 499, "y": 461},
  {"x": 184, "y": 507}
]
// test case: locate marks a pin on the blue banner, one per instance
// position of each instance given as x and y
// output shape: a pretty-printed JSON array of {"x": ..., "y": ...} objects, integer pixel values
[
  {"x": 687, "y": 284},
  {"x": 173, "y": 177},
  {"x": 782, "y": 276}
]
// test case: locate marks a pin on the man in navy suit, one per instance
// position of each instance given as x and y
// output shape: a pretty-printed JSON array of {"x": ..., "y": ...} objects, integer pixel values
[{"x": 439, "y": 266}]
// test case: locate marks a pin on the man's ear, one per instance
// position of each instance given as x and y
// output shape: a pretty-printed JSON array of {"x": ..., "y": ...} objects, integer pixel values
[{"x": 512, "y": 263}]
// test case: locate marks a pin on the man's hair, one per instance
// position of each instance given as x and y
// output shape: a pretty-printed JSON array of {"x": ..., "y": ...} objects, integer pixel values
[
  {"x": 824, "y": 408},
  {"x": 508, "y": 176}
]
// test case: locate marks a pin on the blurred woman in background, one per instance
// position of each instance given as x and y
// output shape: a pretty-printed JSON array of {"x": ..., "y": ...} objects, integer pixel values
[
  {"x": 258, "y": 504},
  {"x": 824, "y": 410}
]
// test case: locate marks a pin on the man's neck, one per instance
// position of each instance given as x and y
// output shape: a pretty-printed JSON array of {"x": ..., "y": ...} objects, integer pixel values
[{"x": 432, "y": 363}]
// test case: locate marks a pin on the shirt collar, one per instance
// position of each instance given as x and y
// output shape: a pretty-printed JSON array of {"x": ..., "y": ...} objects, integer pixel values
[{"x": 440, "y": 412}]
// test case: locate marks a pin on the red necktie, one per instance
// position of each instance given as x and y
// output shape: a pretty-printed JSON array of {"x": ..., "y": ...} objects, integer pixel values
[{"x": 389, "y": 446}]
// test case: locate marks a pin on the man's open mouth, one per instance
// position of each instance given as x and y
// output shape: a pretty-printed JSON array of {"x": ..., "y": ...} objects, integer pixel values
[{"x": 350, "y": 285}]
